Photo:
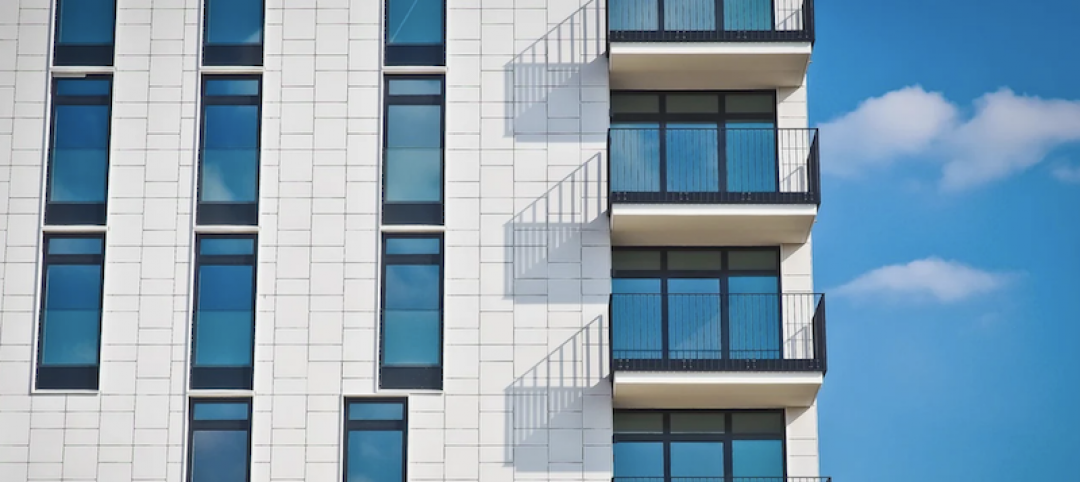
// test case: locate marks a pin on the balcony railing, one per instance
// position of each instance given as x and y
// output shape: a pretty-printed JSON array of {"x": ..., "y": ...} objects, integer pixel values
[
  {"x": 721, "y": 478},
  {"x": 711, "y": 165},
  {"x": 718, "y": 332},
  {"x": 711, "y": 20}
]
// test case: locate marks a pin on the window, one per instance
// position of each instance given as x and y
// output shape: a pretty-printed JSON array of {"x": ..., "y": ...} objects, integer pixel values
[
  {"x": 413, "y": 156},
  {"x": 223, "y": 332},
  {"x": 69, "y": 337},
  {"x": 233, "y": 32},
  {"x": 219, "y": 440},
  {"x": 84, "y": 32},
  {"x": 375, "y": 440},
  {"x": 229, "y": 158},
  {"x": 415, "y": 32},
  {"x": 711, "y": 446},
  {"x": 78, "y": 168},
  {"x": 411, "y": 354},
  {"x": 688, "y": 305}
]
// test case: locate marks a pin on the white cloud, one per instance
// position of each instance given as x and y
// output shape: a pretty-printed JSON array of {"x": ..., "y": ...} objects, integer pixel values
[
  {"x": 1069, "y": 174},
  {"x": 1005, "y": 134},
  {"x": 946, "y": 281}
]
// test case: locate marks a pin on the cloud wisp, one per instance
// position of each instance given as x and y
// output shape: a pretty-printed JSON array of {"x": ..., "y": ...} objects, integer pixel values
[
  {"x": 1069, "y": 174},
  {"x": 1004, "y": 134},
  {"x": 942, "y": 280}
]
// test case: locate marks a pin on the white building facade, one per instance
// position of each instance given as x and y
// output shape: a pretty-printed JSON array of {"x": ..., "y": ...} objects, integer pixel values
[{"x": 408, "y": 240}]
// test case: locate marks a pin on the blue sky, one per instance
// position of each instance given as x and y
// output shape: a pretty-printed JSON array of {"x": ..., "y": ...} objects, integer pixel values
[{"x": 949, "y": 238}]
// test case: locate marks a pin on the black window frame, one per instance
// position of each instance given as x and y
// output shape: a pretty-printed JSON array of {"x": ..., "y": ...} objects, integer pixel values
[
  {"x": 82, "y": 214},
  {"x": 231, "y": 425},
  {"x": 96, "y": 55},
  {"x": 424, "y": 377},
  {"x": 377, "y": 425},
  {"x": 215, "y": 213},
  {"x": 223, "y": 378},
  {"x": 68, "y": 377},
  {"x": 726, "y": 438},
  {"x": 231, "y": 54},
  {"x": 413, "y": 55},
  {"x": 415, "y": 213}
]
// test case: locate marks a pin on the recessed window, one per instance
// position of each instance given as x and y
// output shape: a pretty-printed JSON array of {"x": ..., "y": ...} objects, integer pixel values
[
  {"x": 229, "y": 157},
  {"x": 69, "y": 337},
  {"x": 219, "y": 442},
  {"x": 79, "y": 151},
  {"x": 224, "y": 327},
  {"x": 233, "y": 32},
  {"x": 415, "y": 32},
  {"x": 411, "y": 355},
  {"x": 413, "y": 156},
  {"x": 375, "y": 444},
  {"x": 84, "y": 32}
]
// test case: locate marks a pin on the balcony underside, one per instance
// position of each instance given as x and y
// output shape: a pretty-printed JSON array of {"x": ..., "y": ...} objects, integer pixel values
[
  {"x": 708, "y": 65},
  {"x": 715, "y": 390},
  {"x": 711, "y": 224}
]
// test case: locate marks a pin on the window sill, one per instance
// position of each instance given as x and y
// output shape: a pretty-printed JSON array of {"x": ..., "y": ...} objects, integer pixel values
[
  {"x": 219, "y": 393},
  {"x": 73, "y": 228},
  {"x": 231, "y": 69},
  {"x": 68, "y": 71},
  {"x": 62, "y": 391},
  {"x": 413, "y": 69}
]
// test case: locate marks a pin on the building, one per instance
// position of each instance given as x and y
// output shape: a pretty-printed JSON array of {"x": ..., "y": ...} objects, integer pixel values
[{"x": 471, "y": 240}]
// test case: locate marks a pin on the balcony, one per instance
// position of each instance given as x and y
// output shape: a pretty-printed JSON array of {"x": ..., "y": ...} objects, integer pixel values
[
  {"x": 709, "y": 186},
  {"x": 721, "y": 478},
  {"x": 717, "y": 350},
  {"x": 720, "y": 44}
]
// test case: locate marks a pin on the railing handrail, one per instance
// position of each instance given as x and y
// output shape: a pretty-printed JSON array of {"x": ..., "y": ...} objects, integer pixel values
[
  {"x": 724, "y": 478},
  {"x": 754, "y": 23}
]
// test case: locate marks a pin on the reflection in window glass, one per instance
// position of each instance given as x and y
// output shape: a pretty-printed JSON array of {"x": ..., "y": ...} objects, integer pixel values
[
  {"x": 233, "y": 33},
  {"x": 229, "y": 158},
  {"x": 697, "y": 459},
  {"x": 375, "y": 440},
  {"x": 224, "y": 325},
  {"x": 79, "y": 152},
  {"x": 411, "y": 342},
  {"x": 639, "y": 459},
  {"x": 413, "y": 155},
  {"x": 220, "y": 441},
  {"x": 414, "y": 32},
  {"x": 757, "y": 458},
  {"x": 84, "y": 32}
]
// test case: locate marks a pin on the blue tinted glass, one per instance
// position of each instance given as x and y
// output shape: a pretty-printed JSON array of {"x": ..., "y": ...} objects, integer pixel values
[
  {"x": 72, "y": 315},
  {"x": 241, "y": 87},
  {"x": 224, "y": 321},
  {"x": 414, "y": 126},
  {"x": 635, "y": 285},
  {"x": 748, "y": 15},
  {"x": 757, "y": 458},
  {"x": 751, "y": 157},
  {"x": 412, "y": 246},
  {"x": 220, "y": 411},
  {"x": 693, "y": 158},
  {"x": 412, "y": 287},
  {"x": 86, "y": 22},
  {"x": 80, "y": 153},
  {"x": 639, "y": 459},
  {"x": 234, "y": 22},
  {"x": 754, "y": 317},
  {"x": 411, "y": 337},
  {"x": 219, "y": 456},
  {"x": 694, "y": 318},
  {"x": 376, "y": 411},
  {"x": 633, "y": 15},
  {"x": 374, "y": 456},
  {"x": 635, "y": 158},
  {"x": 416, "y": 22},
  {"x": 230, "y": 157},
  {"x": 225, "y": 246},
  {"x": 92, "y": 87},
  {"x": 76, "y": 245},
  {"x": 637, "y": 324},
  {"x": 697, "y": 459},
  {"x": 690, "y": 15},
  {"x": 413, "y": 175},
  {"x": 415, "y": 87}
]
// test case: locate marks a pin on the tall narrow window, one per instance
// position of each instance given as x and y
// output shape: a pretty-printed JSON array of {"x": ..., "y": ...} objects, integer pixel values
[
  {"x": 229, "y": 159},
  {"x": 84, "y": 32},
  {"x": 411, "y": 355},
  {"x": 415, "y": 32},
  {"x": 233, "y": 32},
  {"x": 375, "y": 442},
  {"x": 79, "y": 151},
  {"x": 70, "y": 328},
  {"x": 219, "y": 440},
  {"x": 224, "y": 328},
  {"x": 413, "y": 158}
]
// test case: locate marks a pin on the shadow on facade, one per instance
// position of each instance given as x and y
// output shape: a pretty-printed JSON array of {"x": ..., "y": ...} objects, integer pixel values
[
  {"x": 548, "y": 407},
  {"x": 544, "y": 81}
]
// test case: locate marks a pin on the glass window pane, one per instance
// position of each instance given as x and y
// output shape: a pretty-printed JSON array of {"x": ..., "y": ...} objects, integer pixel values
[
  {"x": 414, "y": 126},
  {"x": 635, "y": 103},
  {"x": 748, "y": 15},
  {"x": 693, "y": 103},
  {"x": 219, "y": 455},
  {"x": 224, "y": 320},
  {"x": 374, "y": 456},
  {"x": 749, "y": 103},
  {"x": 238, "y": 87},
  {"x": 697, "y": 423},
  {"x": 752, "y": 260},
  {"x": 80, "y": 153},
  {"x": 639, "y": 459},
  {"x": 413, "y": 175},
  {"x": 72, "y": 315},
  {"x": 226, "y": 246},
  {"x": 635, "y": 157},
  {"x": 635, "y": 260},
  {"x": 633, "y": 15},
  {"x": 84, "y": 87},
  {"x": 690, "y": 15},
  {"x": 415, "y": 87},
  {"x": 76, "y": 246},
  {"x": 757, "y": 423},
  {"x": 629, "y": 422},
  {"x": 693, "y": 157},
  {"x": 757, "y": 458},
  {"x": 220, "y": 411},
  {"x": 234, "y": 22},
  {"x": 412, "y": 246},
  {"x": 86, "y": 22},
  {"x": 694, "y": 260},
  {"x": 411, "y": 337},
  {"x": 230, "y": 157},
  {"x": 648, "y": 286},
  {"x": 412, "y": 287},
  {"x": 376, "y": 411},
  {"x": 697, "y": 459},
  {"x": 414, "y": 22}
]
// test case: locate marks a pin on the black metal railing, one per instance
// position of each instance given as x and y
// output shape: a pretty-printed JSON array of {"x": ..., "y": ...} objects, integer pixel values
[
  {"x": 711, "y": 20},
  {"x": 721, "y": 478},
  {"x": 711, "y": 165},
  {"x": 717, "y": 332}
]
